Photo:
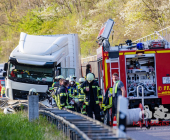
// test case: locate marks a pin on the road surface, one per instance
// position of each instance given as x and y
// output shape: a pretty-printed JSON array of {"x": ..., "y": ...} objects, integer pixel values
[{"x": 154, "y": 133}]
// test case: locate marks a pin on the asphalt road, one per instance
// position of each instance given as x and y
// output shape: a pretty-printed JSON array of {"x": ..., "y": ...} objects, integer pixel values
[{"x": 154, "y": 133}]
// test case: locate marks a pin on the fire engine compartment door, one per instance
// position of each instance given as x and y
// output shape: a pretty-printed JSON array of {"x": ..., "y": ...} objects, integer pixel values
[
  {"x": 114, "y": 68},
  {"x": 163, "y": 76},
  {"x": 141, "y": 70}
]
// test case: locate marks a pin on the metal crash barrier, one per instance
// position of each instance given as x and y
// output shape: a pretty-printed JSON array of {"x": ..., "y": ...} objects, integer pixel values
[
  {"x": 69, "y": 130},
  {"x": 74, "y": 126}
]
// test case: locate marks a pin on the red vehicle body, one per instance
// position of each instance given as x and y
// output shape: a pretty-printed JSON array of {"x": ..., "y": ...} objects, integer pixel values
[
  {"x": 153, "y": 73},
  {"x": 162, "y": 58}
]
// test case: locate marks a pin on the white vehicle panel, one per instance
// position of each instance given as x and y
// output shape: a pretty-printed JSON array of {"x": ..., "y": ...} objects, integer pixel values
[{"x": 27, "y": 87}]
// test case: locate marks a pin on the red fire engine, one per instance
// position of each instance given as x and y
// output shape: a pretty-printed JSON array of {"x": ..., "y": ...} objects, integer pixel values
[{"x": 144, "y": 68}]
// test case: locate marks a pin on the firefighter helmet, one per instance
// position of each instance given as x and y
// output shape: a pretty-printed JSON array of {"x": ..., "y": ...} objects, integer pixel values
[
  {"x": 74, "y": 76},
  {"x": 90, "y": 77},
  {"x": 71, "y": 79},
  {"x": 68, "y": 78},
  {"x": 81, "y": 80},
  {"x": 60, "y": 77}
]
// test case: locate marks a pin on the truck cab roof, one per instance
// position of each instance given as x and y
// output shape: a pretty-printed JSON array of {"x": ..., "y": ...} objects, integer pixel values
[{"x": 37, "y": 50}]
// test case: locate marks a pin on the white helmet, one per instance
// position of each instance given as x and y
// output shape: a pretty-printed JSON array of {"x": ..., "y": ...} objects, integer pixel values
[
  {"x": 60, "y": 77},
  {"x": 90, "y": 77},
  {"x": 68, "y": 78},
  {"x": 71, "y": 79},
  {"x": 56, "y": 77},
  {"x": 81, "y": 80}
]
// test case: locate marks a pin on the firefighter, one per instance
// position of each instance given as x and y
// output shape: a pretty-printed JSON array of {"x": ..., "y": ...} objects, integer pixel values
[
  {"x": 50, "y": 95},
  {"x": 57, "y": 78},
  {"x": 3, "y": 91},
  {"x": 73, "y": 92},
  {"x": 118, "y": 89},
  {"x": 72, "y": 88},
  {"x": 63, "y": 99},
  {"x": 67, "y": 79},
  {"x": 56, "y": 86},
  {"x": 80, "y": 95},
  {"x": 92, "y": 96}
]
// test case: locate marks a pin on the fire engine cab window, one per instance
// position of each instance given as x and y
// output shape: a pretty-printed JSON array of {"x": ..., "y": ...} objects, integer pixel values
[
  {"x": 141, "y": 74},
  {"x": 30, "y": 74}
]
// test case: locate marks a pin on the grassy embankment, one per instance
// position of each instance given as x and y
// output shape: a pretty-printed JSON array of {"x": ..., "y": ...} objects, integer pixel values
[{"x": 17, "y": 127}]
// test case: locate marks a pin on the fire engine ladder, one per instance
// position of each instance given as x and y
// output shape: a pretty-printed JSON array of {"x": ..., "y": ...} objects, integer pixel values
[
  {"x": 162, "y": 34},
  {"x": 113, "y": 60}
]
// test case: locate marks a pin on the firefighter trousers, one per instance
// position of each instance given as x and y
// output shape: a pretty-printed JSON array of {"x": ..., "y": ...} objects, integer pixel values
[
  {"x": 93, "y": 107},
  {"x": 79, "y": 106},
  {"x": 114, "y": 106}
]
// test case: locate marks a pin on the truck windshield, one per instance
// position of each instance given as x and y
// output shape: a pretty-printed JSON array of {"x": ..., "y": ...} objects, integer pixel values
[{"x": 30, "y": 74}]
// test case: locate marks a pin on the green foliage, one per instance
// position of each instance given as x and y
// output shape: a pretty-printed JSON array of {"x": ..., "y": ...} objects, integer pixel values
[
  {"x": 133, "y": 19},
  {"x": 17, "y": 127}
]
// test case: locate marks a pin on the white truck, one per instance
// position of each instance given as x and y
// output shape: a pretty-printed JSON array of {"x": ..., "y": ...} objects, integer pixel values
[{"x": 36, "y": 61}]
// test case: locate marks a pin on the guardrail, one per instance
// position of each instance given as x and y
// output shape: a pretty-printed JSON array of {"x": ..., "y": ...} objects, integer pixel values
[
  {"x": 74, "y": 126},
  {"x": 69, "y": 129}
]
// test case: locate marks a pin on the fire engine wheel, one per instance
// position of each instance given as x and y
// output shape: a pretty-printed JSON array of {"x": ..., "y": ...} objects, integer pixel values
[{"x": 106, "y": 117}]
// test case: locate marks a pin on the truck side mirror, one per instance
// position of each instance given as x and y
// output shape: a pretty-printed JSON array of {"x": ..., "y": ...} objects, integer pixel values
[
  {"x": 4, "y": 74},
  {"x": 5, "y": 66}
]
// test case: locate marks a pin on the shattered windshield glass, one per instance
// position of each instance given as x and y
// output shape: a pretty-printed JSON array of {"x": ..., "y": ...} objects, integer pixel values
[{"x": 30, "y": 74}]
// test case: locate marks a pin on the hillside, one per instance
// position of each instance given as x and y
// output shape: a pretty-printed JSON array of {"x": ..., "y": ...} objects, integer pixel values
[{"x": 133, "y": 18}]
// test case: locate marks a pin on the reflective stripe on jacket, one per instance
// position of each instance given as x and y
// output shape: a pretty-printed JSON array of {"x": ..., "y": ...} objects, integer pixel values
[
  {"x": 80, "y": 93},
  {"x": 63, "y": 98},
  {"x": 3, "y": 90},
  {"x": 72, "y": 91},
  {"x": 107, "y": 103},
  {"x": 96, "y": 91}
]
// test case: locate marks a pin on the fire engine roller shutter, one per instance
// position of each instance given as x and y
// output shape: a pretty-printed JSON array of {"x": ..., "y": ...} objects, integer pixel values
[{"x": 114, "y": 54}]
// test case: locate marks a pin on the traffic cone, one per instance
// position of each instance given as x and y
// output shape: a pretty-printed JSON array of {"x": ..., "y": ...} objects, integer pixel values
[{"x": 114, "y": 123}]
